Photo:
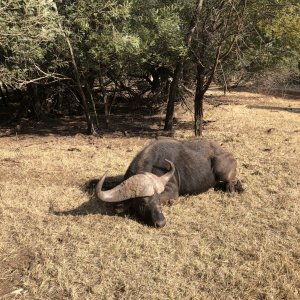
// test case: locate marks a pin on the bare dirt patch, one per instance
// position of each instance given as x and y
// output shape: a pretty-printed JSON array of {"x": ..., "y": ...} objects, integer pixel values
[
  {"x": 213, "y": 246},
  {"x": 13, "y": 266}
]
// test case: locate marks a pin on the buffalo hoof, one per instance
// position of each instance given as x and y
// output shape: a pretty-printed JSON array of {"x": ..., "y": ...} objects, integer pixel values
[
  {"x": 232, "y": 187},
  {"x": 238, "y": 187}
]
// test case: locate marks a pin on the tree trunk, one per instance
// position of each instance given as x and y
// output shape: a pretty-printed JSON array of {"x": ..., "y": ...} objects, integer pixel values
[
  {"x": 172, "y": 96},
  {"x": 89, "y": 86},
  {"x": 106, "y": 110},
  {"x": 199, "y": 97},
  {"x": 5, "y": 98},
  {"x": 106, "y": 101},
  {"x": 59, "y": 100},
  {"x": 90, "y": 125},
  {"x": 179, "y": 68},
  {"x": 2, "y": 96},
  {"x": 199, "y": 114},
  {"x": 38, "y": 112}
]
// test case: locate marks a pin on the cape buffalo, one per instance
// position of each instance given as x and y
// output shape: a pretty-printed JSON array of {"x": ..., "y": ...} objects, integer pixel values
[{"x": 167, "y": 168}]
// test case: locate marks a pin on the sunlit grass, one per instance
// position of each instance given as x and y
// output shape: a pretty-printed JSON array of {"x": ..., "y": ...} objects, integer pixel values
[{"x": 213, "y": 247}]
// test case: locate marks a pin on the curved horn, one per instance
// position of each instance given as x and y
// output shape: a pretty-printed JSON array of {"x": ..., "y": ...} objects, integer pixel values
[
  {"x": 166, "y": 177},
  {"x": 139, "y": 185}
]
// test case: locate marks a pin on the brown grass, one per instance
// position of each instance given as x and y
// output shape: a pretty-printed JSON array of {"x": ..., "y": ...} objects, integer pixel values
[{"x": 213, "y": 247}]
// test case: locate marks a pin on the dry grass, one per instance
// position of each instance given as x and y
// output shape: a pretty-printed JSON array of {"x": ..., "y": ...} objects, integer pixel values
[{"x": 213, "y": 247}]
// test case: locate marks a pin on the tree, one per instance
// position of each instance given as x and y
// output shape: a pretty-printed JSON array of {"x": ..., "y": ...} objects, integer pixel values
[
  {"x": 267, "y": 46},
  {"x": 117, "y": 44},
  {"x": 99, "y": 42},
  {"x": 179, "y": 66},
  {"x": 28, "y": 31},
  {"x": 28, "y": 35}
]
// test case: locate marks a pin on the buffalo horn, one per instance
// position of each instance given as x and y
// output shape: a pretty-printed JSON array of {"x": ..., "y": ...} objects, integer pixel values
[{"x": 140, "y": 185}]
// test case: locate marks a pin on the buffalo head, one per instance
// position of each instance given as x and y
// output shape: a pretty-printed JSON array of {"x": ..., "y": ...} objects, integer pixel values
[{"x": 144, "y": 191}]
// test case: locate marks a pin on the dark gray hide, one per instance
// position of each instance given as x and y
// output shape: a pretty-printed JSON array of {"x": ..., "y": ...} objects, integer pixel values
[{"x": 199, "y": 165}]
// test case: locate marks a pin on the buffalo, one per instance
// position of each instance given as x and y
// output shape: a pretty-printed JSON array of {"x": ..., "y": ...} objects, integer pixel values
[{"x": 168, "y": 168}]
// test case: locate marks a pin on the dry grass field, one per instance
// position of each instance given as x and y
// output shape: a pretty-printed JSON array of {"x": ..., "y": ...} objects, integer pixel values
[{"x": 214, "y": 246}]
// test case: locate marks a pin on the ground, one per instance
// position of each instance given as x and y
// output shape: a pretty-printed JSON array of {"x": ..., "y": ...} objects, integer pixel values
[{"x": 214, "y": 246}]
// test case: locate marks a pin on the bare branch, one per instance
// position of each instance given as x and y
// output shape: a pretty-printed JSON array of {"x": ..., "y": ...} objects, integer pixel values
[
  {"x": 207, "y": 84},
  {"x": 52, "y": 75},
  {"x": 193, "y": 23},
  {"x": 24, "y": 83},
  {"x": 228, "y": 50}
]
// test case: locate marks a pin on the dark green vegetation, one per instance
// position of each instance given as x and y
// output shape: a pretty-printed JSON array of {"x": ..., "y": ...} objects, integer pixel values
[{"x": 80, "y": 57}]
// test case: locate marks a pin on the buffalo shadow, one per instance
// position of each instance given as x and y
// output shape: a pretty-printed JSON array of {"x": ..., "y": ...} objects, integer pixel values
[{"x": 94, "y": 205}]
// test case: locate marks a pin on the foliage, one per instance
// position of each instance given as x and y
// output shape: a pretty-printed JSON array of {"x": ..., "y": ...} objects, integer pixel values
[
  {"x": 272, "y": 40},
  {"x": 159, "y": 29},
  {"x": 28, "y": 38},
  {"x": 116, "y": 40}
]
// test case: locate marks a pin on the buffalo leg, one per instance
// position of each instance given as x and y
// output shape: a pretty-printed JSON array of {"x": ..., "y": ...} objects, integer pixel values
[{"x": 224, "y": 168}]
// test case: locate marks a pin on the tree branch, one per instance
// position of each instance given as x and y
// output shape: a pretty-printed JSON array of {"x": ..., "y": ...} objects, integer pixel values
[{"x": 212, "y": 73}]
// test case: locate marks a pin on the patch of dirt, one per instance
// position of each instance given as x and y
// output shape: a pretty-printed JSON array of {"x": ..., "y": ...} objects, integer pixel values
[{"x": 12, "y": 269}]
